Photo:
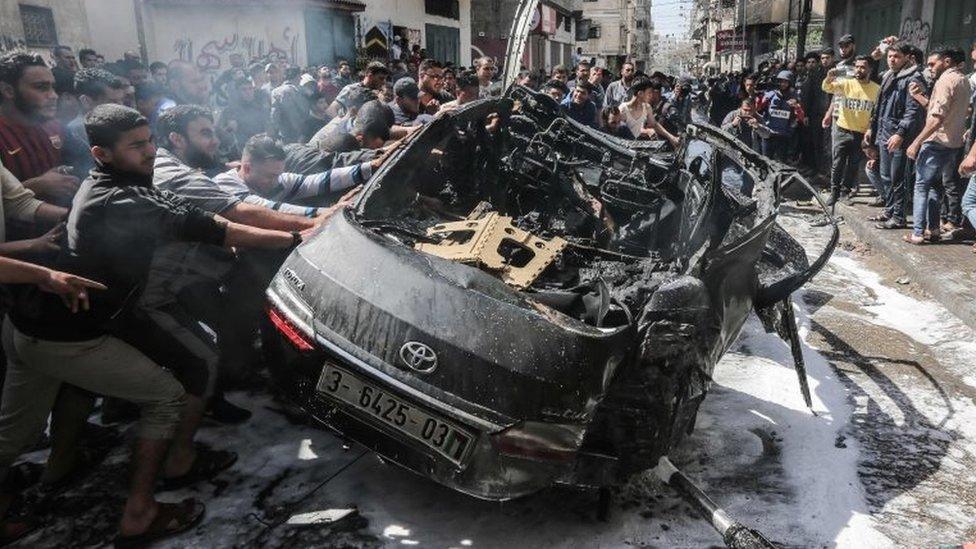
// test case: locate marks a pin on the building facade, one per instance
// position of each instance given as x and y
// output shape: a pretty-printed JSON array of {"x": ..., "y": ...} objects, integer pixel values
[
  {"x": 301, "y": 32},
  {"x": 208, "y": 32},
  {"x": 613, "y": 31},
  {"x": 40, "y": 24},
  {"x": 442, "y": 27},
  {"x": 741, "y": 34},
  {"x": 925, "y": 23},
  {"x": 552, "y": 38}
]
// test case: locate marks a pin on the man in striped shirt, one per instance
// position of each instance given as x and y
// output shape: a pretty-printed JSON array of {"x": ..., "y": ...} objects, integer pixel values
[
  {"x": 261, "y": 179},
  {"x": 30, "y": 137}
]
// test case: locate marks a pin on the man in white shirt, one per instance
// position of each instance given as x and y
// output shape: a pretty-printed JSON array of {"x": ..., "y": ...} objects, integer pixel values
[{"x": 485, "y": 68}]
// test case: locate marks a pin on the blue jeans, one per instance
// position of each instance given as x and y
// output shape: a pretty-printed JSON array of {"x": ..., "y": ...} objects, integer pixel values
[
  {"x": 969, "y": 202},
  {"x": 933, "y": 167},
  {"x": 874, "y": 178},
  {"x": 894, "y": 181}
]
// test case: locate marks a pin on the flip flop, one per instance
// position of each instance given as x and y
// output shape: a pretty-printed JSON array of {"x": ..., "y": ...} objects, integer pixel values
[
  {"x": 172, "y": 518},
  {"x": 912, "y": 239},
  {"x": 205, "y": 467}
]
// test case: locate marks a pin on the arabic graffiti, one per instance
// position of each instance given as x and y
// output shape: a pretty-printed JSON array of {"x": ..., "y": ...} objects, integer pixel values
[
  {"x": 8, "y": 43},
  {"x": 215, "y": 54},
  {"x": 916, "y": 32}
]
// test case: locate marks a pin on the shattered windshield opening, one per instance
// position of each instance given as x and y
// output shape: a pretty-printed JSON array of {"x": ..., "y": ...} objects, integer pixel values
[{"x": 578, "y": 223}]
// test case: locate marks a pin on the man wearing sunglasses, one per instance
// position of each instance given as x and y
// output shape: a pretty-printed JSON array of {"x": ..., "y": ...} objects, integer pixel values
[{"x": 430, "y": 76}]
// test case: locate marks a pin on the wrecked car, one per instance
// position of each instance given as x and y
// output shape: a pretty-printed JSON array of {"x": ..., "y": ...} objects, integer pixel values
[{"x": 516, "y": 300}]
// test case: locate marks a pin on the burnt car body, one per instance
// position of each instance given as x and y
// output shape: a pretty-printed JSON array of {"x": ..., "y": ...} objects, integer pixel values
[{"x": 516, "y": 300}]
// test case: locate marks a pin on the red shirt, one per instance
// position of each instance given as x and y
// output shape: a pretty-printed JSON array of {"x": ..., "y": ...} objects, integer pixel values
[{"x": 29, "y": 151}]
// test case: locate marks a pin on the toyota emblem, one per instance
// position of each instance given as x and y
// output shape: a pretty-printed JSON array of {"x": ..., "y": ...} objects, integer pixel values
[{"x": 418, "y": 357}]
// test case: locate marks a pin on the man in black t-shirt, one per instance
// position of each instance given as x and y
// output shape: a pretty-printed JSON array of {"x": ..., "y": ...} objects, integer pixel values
[{"x": 117, "y": 222}]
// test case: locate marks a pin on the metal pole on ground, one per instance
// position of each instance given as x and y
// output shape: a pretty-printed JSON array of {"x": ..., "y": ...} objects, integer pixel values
[{"x": 734, "y": 534}]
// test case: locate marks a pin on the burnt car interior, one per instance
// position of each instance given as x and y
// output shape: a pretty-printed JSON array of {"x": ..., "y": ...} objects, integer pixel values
[{"x": 584, "y": 224}]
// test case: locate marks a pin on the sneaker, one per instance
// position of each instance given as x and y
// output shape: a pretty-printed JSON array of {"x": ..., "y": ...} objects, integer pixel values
[
  {"x": 222, "y": 411},
  {"x": 891, "y": 224}
]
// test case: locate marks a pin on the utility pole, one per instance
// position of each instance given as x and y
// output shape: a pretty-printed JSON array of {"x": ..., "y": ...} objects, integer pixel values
[
  {"x": 742, "y": 7},
  {"x": 786, "y": 44},
  {"x": 806, "y": 6}
]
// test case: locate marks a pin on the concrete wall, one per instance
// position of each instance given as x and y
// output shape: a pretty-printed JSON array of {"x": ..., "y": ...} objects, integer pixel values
[
  {"x": 208, "y": 35},
  {"x": 608, "y": 15},
  {"x": 411, "y": 14},
  {"x": 113, "y": 27},
  {"x": 915, "y": 27},
  {"x": 70, "y": 23}
]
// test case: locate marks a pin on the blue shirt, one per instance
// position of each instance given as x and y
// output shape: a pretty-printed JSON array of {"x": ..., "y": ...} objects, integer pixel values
[{"x": 584, "y": 114}]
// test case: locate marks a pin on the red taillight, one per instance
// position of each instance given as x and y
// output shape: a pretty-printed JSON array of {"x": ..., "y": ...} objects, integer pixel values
[
  {"x": 294, "y": 336},
  {"x": 538, "y": 441}
]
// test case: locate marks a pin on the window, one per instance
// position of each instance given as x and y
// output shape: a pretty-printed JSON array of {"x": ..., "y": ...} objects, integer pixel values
[
  {"x": 594, "y": 31},
  {"x": 583, "y": 30},
  {"x": 38, "y": 26},
  {"x": 443, "y": 8}
]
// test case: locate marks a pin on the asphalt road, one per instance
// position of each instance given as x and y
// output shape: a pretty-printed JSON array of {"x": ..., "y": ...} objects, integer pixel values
[{"x": 883, "y": 459}]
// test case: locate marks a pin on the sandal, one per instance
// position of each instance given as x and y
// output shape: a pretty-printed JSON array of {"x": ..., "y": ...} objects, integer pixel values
[
  {"x": 879, "y": 218},
  {"x": 172, "y": 518},
  {"x": 912, "y": 239},
  {"x": 205, "y": 467}
]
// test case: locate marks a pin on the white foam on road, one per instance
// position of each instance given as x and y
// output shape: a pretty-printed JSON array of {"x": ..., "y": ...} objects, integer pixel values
[{"x": 808, "y": 495}]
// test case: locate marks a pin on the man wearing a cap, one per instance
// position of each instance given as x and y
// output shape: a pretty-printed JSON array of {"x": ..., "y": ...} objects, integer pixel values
[
  {"x": 373, "y": 79},
  {"x": 274, "y": 76},
  {"x": 406, "y": 101},
  {"x": 857, "y": 98},
  {"x": 343, "y": 124},
  {"x": 781, "y": 113}
]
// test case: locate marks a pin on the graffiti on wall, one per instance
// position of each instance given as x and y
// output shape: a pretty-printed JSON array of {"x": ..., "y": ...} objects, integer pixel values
[
  {"x": 916, "y": 32},
  {"x": 8, "y": 43},
  {"x": 215, "y": 54}
]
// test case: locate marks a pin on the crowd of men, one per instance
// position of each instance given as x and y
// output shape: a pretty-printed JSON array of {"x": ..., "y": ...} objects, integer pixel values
[
  {"x": 902, "y": 116},
  {"x": 145, "y": 209}
]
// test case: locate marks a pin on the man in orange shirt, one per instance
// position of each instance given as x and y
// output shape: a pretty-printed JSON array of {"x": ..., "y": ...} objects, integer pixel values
[{"x": 937, "y": 146}]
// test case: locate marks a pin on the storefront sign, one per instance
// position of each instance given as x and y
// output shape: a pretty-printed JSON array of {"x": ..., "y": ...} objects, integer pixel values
[
  {"x": 544, "y": 20},
  {"x": 729, "y": 40}
]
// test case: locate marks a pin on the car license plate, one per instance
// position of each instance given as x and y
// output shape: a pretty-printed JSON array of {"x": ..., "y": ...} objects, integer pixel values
[{"x": 443, "y": 437}]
